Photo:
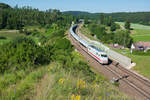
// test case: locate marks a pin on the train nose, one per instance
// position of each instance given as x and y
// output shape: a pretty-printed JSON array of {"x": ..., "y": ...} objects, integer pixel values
[{"x": 105, "y": 61}]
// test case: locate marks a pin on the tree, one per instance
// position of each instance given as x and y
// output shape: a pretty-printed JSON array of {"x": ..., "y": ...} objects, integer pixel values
[
  {"x": 109, "y": 21},
  {"x": 123, "y": 38},
  {"x": 113, "y": 27},
  {"x": 127, "y": 25},
  {"x": 102, "y": 18},
  {"x": 4, "y": 19}
]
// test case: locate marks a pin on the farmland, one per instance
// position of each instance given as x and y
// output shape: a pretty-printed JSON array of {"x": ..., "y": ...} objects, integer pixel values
[{"x": 139, "y": 32}]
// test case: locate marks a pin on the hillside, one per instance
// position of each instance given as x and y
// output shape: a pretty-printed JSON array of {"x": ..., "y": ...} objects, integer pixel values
[
  {"x": 134, "y": 17},
  {"x": 39, "y": 63},
  {"x": 4, "y": 6}
]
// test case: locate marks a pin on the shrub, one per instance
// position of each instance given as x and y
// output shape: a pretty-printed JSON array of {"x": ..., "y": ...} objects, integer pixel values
[
  {"x": 2, "y": 37},
  {"x": 22, "y": 53}
]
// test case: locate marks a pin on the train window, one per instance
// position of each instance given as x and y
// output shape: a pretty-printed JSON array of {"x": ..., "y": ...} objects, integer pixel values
[{"x": 104, "y": 55}]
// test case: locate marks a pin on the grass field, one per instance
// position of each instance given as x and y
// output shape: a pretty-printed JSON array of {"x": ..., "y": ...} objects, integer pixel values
[
  {"x": 140, "y": 32},
  {"x": 9, "y": 34},
  {"x": 38, "y": 28}
]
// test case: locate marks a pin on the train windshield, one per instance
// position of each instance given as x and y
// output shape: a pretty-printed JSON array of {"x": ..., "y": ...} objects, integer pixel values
[
  {"x": 103, "y": 55},
  {"x": 96, "y": 48}
]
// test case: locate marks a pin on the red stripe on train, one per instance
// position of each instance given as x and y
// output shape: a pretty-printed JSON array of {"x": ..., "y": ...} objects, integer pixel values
[{"x": 95, "y": 57}]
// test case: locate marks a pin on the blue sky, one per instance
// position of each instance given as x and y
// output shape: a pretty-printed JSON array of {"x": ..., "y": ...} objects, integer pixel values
[{"x": 85, "y": 5}]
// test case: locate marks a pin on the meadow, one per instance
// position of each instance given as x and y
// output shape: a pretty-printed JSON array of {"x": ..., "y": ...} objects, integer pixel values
[
  {"x": 9, "y": 35},
  {"x": 139, "y": 32}
]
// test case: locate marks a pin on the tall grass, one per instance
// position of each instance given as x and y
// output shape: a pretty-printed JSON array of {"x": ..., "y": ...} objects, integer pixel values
[
  {"x": 53, "y": 82},
  {"x": 20, "y": 85}
]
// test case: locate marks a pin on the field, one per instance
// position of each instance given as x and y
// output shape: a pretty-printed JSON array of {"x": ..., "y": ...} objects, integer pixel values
[
  {"x": 140, "y": 32},
  {"x": 9, "y": 35}
]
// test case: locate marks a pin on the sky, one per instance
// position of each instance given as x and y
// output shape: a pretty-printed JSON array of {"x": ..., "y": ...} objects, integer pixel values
[{"x": 106, "y": 6}]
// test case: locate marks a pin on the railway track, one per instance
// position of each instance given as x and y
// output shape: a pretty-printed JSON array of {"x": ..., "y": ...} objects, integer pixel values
[
  {"x": 139, "y": 78},
  {"x": 146, "y": 94},
  {"x": 140, "y": 85}
]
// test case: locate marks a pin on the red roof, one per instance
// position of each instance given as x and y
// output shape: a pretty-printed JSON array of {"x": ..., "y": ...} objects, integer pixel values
[{"x": 144, "y": 44}]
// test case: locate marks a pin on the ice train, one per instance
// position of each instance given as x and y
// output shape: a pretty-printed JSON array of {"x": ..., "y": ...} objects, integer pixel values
[{"x": 93, "y": 51}]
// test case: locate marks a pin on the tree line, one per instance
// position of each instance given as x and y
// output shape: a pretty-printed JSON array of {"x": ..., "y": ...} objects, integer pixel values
[
  {"x": 109, "y": 32},
  {"x": 17, "y": 18},
  {"x": 133, "y": 17}
]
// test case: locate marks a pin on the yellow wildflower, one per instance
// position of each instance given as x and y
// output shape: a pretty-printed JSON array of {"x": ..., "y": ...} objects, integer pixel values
[
  {"x": 81, "y": 84},
  {"x": 48, "y": 69},
  {"x": 75, "y": 97},
  {"x": 61, "y": 80},
  {"x": 72, "y": 97}
]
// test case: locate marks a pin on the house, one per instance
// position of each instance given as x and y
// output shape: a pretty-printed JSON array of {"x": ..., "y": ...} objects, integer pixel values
[
  {"x": 141, "y": 46},
  {"x": 116, "y": 45}
]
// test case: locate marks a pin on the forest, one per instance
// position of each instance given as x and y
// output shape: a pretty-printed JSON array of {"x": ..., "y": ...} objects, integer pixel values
[
  {"x": 17, "y": 18},
  {"x": 133, "y": 17}
]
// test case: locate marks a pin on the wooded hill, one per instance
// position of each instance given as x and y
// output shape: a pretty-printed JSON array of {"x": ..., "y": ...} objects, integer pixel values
[
  {"x": 16, "y": 18},
  {"x": 134, "y": 17},
  {"x": 4, "y": 6}
]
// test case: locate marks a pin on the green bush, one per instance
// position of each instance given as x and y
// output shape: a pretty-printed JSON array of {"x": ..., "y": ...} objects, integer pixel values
[
  {"x": 22, "y": 53},
  {"x": 2, "y": 37}
]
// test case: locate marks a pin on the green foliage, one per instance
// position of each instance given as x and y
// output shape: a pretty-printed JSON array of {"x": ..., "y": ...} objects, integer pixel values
[
  {"x": 102, "y": 18},
  {"x": 4, "y": 6},
  {"x": 127, "y": 25},
  {"x": 133, "y": 17},
  {"x": 17, "y": 18},
  {"x": 2, "y": 37},
  {"x": 21, "y": 54},
  {"x": 113, "y": 27},
  {"x": 120, "y": 37},
  {"x": 20, "y": 85},
  {"x": 123, "y": 38},
  {"x": 142, "y": 53}
]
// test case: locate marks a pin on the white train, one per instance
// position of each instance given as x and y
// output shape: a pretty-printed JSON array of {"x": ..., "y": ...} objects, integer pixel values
[{"x": 95, "y": 52}]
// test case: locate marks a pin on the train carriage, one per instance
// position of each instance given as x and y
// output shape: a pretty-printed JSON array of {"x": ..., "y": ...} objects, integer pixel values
[
  {"x": 95, "y": 52},
  {"x": 98, "y": 54}
]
